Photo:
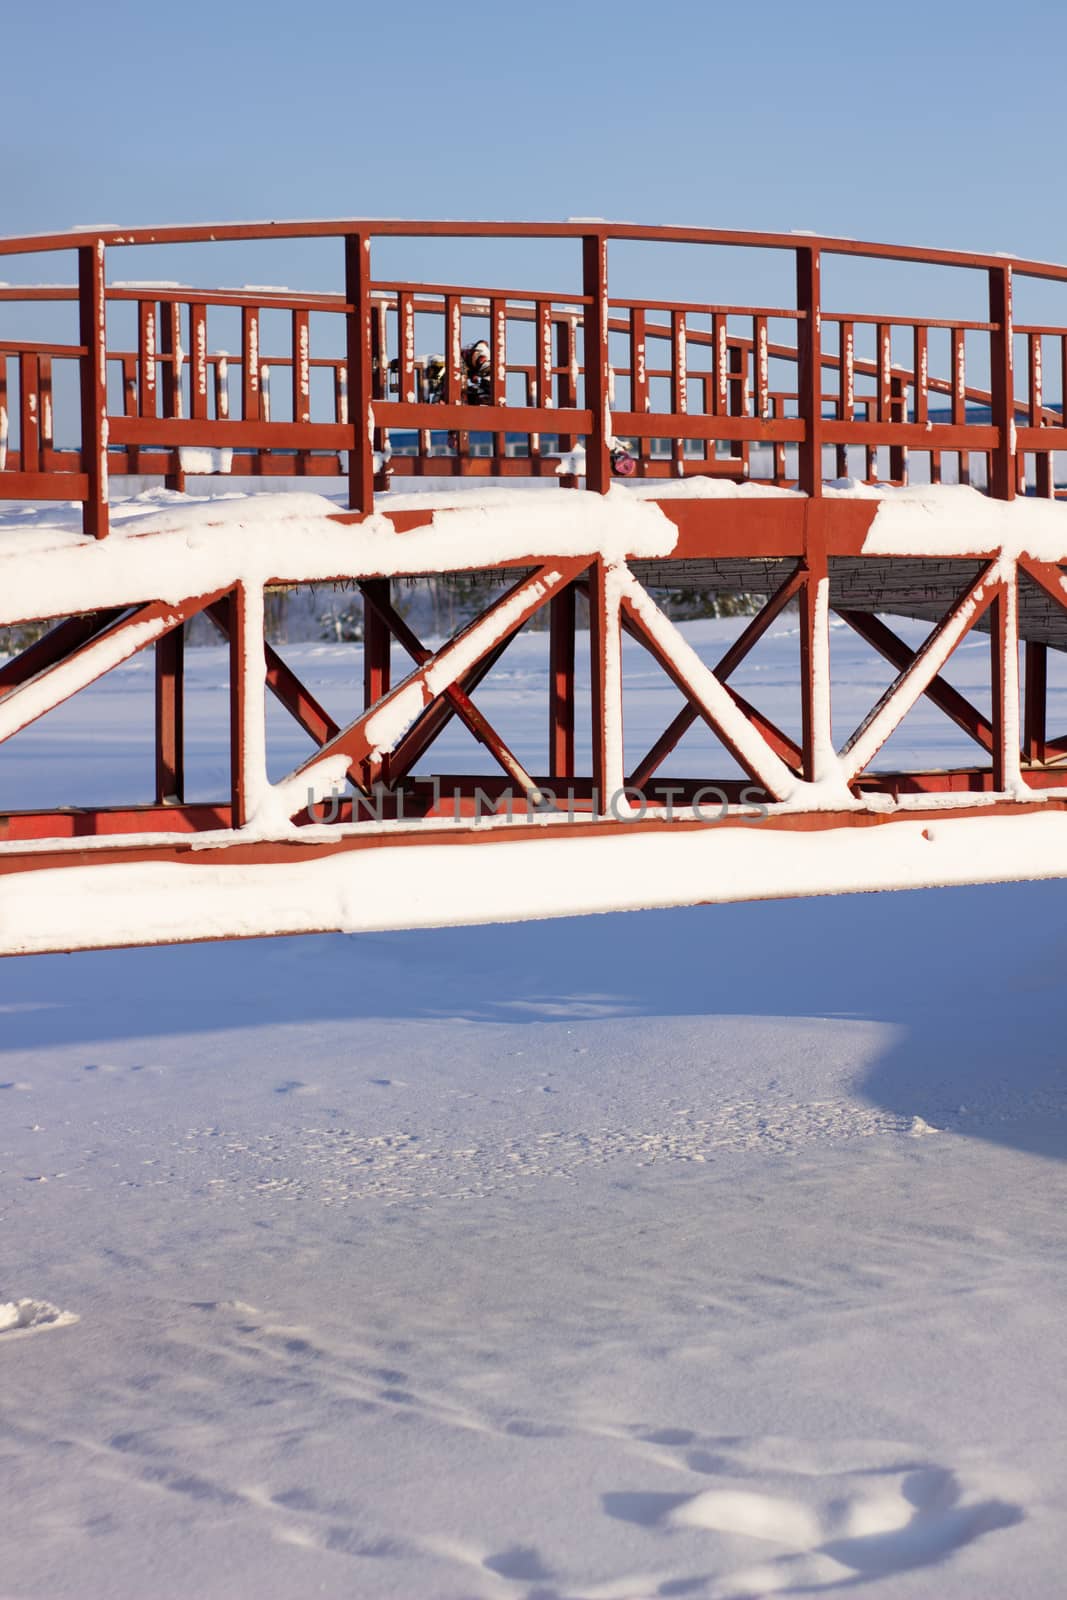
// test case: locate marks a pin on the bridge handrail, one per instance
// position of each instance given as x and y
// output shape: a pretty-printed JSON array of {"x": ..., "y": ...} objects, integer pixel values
[
  {"x": 741, "y": 407},
  {"x": 578, "y": 228}
]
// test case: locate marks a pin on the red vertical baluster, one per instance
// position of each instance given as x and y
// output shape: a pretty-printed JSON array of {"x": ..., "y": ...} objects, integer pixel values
[
  {"x": 884, "y": 337},
  {"x": 380, "y": 345},
  {"x": 739, "y": 400},
  {"x": 567, "y": 362},
  {"x": 596, "y": 360},
  {"x": 921, "y": 366},
  {"x": 147, "y": 342},
  {"x": 29, "y": 413},
  {"x": 679, "y": 383},
  {"x": 885, "y": 373},
  {"x": 250, "y": 364},
  {"x": 959, "y": 378},
  {"x": 198, "y": 398},
  {"x": 762, "y": 366},
  {"x": 301, "y": 337},
  {"x": 498, "y": 353},
  {"x": 809, "y": 370},
  {"x": 545, "y": 356},
  {"x": 170, "y": 349},
  {"x": 380, "y": 378},
  {"x": 921, "y": 363},
  {"x": 340, "y": 399},
  {"x": 1036, "y": 417},
  {"x": 846, "y": 393},
  {"x": 147, "y": 368},
  {"x": 47, "y": 421},
  {"x": 407, "y": 391},
  {"x": 639, "y": 396},
  {"x": 898, "y": 453},
  {"x": 959, "y": 395},
  {"x": 408, "y": 386},
  {"x": 455, "y": 371},
  {"x": 761, "y": 369},
  {"x": 541, "y": 382},
  {"x": 173, "y": 358},
  {"x": 720, "y": 362},
  {"x": 1036, "y": 396},
  {"x": 301, "y": 341}
]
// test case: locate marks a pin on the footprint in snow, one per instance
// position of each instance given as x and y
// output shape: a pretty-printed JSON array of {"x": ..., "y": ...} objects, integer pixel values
[
  {"x": 840, "y": 1528},
  {"x": 31, "y": 1316}
]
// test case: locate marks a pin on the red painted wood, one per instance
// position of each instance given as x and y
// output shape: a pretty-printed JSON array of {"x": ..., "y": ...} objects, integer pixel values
[
  {"x": 170, "y": 716},
  {"x": 92, "y": 331},
  {"x": 939, "y": 690}
]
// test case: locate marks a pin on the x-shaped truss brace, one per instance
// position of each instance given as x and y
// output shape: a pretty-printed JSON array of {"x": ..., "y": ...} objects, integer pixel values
[{"x": 389, "y": 725}]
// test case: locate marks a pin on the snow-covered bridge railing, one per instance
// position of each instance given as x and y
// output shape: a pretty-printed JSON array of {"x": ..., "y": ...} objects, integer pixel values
[{"x": 575, "y": 381}]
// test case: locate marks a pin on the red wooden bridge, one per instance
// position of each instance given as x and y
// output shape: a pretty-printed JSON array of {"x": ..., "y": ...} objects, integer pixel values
[{"x": 744, "y": 415}]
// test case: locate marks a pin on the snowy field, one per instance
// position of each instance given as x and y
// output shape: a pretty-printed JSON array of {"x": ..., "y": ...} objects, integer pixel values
[{"x": 711, "y": 1253}]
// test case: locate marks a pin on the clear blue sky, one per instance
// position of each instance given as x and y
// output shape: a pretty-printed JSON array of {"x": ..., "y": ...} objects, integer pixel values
[{"x": 936, "y": 123}]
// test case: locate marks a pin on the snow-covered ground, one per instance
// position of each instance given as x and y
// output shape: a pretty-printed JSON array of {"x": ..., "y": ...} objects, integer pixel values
[{"x": 715, "y": 1252}]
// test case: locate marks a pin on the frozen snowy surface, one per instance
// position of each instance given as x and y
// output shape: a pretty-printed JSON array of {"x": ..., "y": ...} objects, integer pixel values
[{"x": 714, "y": 1252}]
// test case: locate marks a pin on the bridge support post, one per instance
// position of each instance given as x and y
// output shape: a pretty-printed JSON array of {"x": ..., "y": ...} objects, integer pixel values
[
  {"x": 605, "y": 678},
  {"x": 376, "y": 661},
  {"x": 1035, "y": 700},
  {"x": 238, "y": 719},
  {"x": 1004, "y": 674},
  {"x": 809, "y": 368},
  {"x": 170, "y": 716},
  {"x": 360, "y": 371},
  {"x": 814, "y": 602},
  {"x": 561, "y": 683},
  {"x": 92, "y": 320},
  {"x": 1002, "y": 382}
]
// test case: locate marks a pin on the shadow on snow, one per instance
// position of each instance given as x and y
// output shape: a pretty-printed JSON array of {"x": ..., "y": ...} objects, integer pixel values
[{"x": 973, "y": 979}]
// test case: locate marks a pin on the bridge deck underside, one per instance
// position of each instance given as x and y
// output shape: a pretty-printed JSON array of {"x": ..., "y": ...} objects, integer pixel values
[{"x": 921, "y": 588}]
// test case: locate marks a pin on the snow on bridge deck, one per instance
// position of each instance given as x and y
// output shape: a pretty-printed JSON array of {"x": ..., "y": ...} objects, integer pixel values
[{"x": 929, "y": 538}]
